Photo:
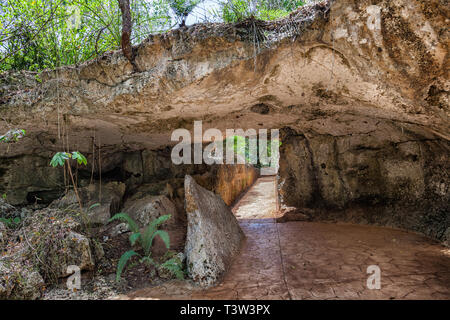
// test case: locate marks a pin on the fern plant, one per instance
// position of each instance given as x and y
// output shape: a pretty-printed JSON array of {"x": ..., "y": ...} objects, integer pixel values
[
  {"x": 174, "y": 266},
  {"x": 145, "y": 240}
]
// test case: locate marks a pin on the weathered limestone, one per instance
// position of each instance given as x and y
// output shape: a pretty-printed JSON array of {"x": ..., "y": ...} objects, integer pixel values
[
  {"x": 3, "y": 234},
  {"x": 368, "y": 171},
  {"x": 149, "y": 208},
  {"x": 100, "y": 203},
  {"x": 19, "y": 280},
  {"x": 39, "y": 253},
  {"x": 58, "y": 242},
  {"x": 214, "y": 236},
  {"x": 232, "y": 180}
]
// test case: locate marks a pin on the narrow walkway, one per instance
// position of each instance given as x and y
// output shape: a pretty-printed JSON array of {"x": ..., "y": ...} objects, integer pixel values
[
  {"x": 259, "y": 202},
  {"x": 309, "y": 260}
]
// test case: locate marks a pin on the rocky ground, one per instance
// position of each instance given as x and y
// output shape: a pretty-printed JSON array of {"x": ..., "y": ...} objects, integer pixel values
[{"x": 36, "y": 253}]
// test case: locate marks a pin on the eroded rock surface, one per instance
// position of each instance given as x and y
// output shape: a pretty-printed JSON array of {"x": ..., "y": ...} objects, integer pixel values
[
  {"x": 149, "y": 208},
  {"x": 99, "y": 202},
  {"x": 38, "y": 253},
  {"x": 213, "y": 237},
  {"x": 380, "y": 172}
]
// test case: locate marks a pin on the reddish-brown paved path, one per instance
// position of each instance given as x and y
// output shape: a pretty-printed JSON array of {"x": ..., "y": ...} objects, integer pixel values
[{"x": 309, "y": 260}]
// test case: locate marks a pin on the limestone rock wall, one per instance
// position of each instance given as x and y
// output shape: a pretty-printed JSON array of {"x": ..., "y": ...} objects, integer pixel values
[
  {"x": 387, "y": 174},
  {"x": 229, "y": 181}
]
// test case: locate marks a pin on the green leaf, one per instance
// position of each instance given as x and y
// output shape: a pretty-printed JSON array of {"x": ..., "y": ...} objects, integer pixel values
[
  {"x": 159, "y": 221},
  {"x": 134, "y": 237},
  {"x": 81, "y": 159},
  {"x": 148, "y": 260},
  {"x": 93, "y": 206},
  {"x": 164, "y": 237},
  {"x": 123, "y": 261},
  {"x": 150, "y": 230},
  {"x": 174, "y": 266},
  {"x": 126, "y": 218},
  {"x": 59, "y": 159}
]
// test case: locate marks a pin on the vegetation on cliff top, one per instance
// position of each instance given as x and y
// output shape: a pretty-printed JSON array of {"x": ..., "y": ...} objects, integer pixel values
[{"x": 40, "y": 34}]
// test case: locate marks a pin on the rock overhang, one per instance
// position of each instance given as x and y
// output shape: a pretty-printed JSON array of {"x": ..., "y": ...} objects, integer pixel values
[{"x": 334, "y": 57}]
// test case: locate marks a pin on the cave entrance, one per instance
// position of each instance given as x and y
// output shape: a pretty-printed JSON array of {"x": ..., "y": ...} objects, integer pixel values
[{"x": 260, "y": 201}]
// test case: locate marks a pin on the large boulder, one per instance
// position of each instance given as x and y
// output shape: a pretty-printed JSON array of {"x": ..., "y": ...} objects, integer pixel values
[
  {"x": 213, "y": 236},
  {"x": 40, "y": 252},
  {"x": 58, "y": 243},
  {"x": 19, "y": 280},
  {"x": 145, "y": 210},
  {"x": 99, "y": 202}
]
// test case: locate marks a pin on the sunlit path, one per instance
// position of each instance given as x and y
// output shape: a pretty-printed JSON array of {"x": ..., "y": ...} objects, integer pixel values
[{"x": 259, "y": 202}]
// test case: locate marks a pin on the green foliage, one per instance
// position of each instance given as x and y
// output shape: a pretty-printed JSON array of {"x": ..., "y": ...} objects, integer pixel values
[
  {"x": 236, "y": 10},
  {"x": 42, "y": 34},
  {"x": 12, "y": 135},
  {"x": 81, "y": 159},
  {"x": 239, "y": 10},
  {"x": 123, "y": 262},
  {"x": 132, "y": 225},
  {"x": 144, "y": 241},
  {"x": 11, "y": 223},
  {"x": 174, "y": 266},
  {"x": 39, "y": 34},
  {"x": 241, "y": 146},
  {"x": 60, "y": 158},
  {"x": 267, "y": 14},
  {"x": 182, "y": 8},
  {"x": 152, "y": 230}
]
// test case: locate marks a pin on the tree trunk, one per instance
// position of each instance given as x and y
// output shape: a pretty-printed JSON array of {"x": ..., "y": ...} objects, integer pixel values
[{"x": 127, "y": 49}]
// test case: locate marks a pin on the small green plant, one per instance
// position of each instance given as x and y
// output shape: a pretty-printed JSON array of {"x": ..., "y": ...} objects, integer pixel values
[
  {"x": 182, "y": 8},
  {"x": 239, "y": 10},
  {"x": 12, "y": 135},
  {"x": 174, "y": 265},
  {"x": 62, "y": 159},
  {"x": 11, "y": 223},
  {"x": 144, "y": 241}
]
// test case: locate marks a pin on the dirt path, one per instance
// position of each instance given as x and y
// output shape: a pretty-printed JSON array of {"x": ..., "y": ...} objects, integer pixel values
[{"x": 308, "y": 260}]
